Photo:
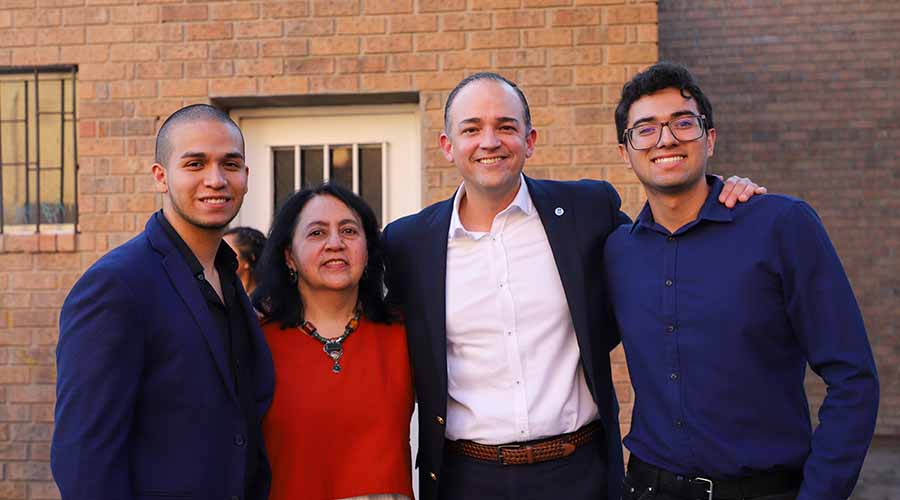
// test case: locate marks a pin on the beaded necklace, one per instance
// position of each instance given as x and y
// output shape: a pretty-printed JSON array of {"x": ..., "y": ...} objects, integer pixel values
[{"x": 334, "y": 348}]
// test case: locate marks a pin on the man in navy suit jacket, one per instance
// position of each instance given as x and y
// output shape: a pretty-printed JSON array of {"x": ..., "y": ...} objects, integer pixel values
[
  {"x": 163, "y": 373},
  {"x": 502, "y": 293}
]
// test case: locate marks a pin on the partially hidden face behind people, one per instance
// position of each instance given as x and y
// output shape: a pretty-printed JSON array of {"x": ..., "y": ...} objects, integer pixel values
[
  {"x": 669, "y": 166},
  {"x": 328, "y": 247},
  {"x": 204, "y": 177},
  {"x": 247, "y": 244},
  {"x": 487, "y": 138}
]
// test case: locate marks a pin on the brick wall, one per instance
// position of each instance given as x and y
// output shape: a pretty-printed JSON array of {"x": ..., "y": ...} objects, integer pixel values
[
  {"x": 139, "y": 60},
  {"x": 807, "y": 102}
]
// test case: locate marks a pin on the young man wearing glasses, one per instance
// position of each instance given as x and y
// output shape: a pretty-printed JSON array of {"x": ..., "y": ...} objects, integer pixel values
[{"x": 717, "y": 361}]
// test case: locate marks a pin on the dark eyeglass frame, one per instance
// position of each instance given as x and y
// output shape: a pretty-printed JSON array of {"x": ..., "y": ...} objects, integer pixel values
[{"x": 626, "y": 135}]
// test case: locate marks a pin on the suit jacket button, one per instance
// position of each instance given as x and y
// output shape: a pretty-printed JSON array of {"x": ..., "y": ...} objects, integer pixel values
[
  {"x": 239, "y": 440},
  {"x": 433, "y": 476},
  {"x": 439, "y": 419}
]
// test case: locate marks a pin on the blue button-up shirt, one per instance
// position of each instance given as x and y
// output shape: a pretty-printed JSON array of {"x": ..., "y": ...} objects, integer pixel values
[{"x": 719, "y": 320}]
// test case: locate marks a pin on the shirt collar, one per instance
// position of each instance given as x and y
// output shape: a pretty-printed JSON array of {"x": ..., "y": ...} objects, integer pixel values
[
  {"x": 711, "y": 210},
  {"x": 226, "y": 259},
  {"x": 522, "y": 202}
]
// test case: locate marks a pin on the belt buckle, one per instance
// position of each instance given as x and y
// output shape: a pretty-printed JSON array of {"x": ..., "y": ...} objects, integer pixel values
[
  {"x": 502, "y": 447},
  {"x": 710, "y": 483}
]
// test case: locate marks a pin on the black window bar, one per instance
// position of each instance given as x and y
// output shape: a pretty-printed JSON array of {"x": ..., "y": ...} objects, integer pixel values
[{"x": 35, "y": 166}]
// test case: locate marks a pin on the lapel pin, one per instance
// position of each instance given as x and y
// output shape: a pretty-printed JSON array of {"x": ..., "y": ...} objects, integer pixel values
[{"x": 559, "y": 211}]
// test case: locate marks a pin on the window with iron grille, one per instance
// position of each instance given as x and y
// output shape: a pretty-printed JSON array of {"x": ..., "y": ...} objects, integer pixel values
[{"x": 38, "y": 149}]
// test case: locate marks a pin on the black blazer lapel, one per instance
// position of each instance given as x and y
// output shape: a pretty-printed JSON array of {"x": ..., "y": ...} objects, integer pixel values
[
  {"x": 558, "y": 217},
  {"x": 433, "y": 268},
  {"x": 187, "y": 289}
]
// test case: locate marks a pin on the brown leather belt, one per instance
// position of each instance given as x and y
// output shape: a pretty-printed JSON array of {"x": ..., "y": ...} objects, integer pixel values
[{"x": 527, "y": 452}]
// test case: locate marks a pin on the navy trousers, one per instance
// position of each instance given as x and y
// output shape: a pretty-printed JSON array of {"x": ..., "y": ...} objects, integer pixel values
[{"x": 580, "y": 476}]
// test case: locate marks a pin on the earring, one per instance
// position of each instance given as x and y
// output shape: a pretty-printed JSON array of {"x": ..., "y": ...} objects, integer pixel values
[{"x": 292, "y": 275}]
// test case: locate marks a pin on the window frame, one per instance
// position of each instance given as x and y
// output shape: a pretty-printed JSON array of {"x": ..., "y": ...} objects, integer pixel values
[{"x": 32, "y": 74}]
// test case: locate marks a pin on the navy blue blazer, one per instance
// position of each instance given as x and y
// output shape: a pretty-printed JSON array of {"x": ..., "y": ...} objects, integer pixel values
[
  {"x": 417, "y": 259},
  {"x": 146, "y": 403}
]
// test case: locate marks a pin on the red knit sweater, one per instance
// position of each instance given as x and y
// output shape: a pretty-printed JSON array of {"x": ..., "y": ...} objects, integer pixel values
[{"x": 339, "y": 435}]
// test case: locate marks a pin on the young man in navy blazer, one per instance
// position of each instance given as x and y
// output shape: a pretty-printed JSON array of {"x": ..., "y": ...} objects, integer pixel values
[
  {"x": 717, "y": 360},
  {"x": 502, "y": 292},
  {"x": 163, "y": 373}
]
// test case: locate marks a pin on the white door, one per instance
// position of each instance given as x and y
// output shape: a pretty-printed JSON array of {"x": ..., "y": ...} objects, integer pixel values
[{"x": 375, "y": 150}]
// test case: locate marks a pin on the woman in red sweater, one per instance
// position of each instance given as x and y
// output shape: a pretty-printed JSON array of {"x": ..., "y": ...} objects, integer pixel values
[{"x": 338, "y": 426}]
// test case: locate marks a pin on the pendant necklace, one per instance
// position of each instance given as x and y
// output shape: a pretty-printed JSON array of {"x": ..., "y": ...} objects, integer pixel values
[{"x": 334, "y": 348}]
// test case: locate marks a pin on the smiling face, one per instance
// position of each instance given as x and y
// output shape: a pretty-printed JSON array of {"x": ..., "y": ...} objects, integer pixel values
[
  {"x": 672, "y": 166},
  {"x": 204, "y": 178},
  {"x": 487, "y": 139},
  {"x": 328, "y": 248}
]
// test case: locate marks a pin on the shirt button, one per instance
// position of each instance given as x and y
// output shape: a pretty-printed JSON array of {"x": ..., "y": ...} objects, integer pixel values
[
  {"x": 678, "y": 423},
  {"x": 673, "y": 376},
  {"x": 671, "y": 238},
  {"x": 439, "y": 419},
  {"x": 433, "y": 476},
  {"x": 239, "y": 440},
  {"x": 668, "y": 282},
  {"x": 670, "y": 328}
]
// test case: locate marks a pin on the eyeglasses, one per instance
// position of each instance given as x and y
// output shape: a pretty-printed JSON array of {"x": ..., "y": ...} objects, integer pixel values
[{"x": 685, "y": 128}]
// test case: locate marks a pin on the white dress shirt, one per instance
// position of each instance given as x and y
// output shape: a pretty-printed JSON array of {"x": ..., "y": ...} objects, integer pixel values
[{"x": 513, "y": 363}]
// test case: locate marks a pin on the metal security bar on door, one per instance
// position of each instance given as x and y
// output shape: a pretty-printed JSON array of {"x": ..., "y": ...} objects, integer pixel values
[{"x": 361, "y": 167}]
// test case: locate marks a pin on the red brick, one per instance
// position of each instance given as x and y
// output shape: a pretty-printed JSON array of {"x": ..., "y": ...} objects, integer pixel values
[
  {"x": 37, "y": 18},
  {"x": 101, "y": 109},
  {"x": 134, "y": 14},
  {"x": 360, "y": 26},
  {"x": 290, "y": 8},
  {"x": 520, "y": 19},
  {"x": 599, "y": 74},
  {"x": 160, "y": 33},
  {"x": 439, "y": 41},
  {"x": 465, "y": 22},
  {"x": 371, "y": 7},
  {"x": 183, "y": 51},
  {"x": 107, "y": 71},
  {"x": 497, "y": 5},
  {"x": 258, "y": 29},
  {"x": 600, "y": 35},
  {"x": 547, "y": 3},
  {"x": 133, "y": 52},
  {"x": 6, "y": 19},
  {"x": 159, "y": 70},
  {"x": 172, "y": 13},
  {"x": 234, "y": 86},
  {"x": 441, "y": 5},
  {"x": 81, "y": 15},
  {"x": 520, "y": 58},
  {"x": 567, "y": 56},
  {"x": 416, "y": 23},
  {"x": 494, "y": 39},
  {"x": 13, "y": 489},
  {"x": 258, "y": 67},
  {"x": 284, "y": 48},
  {"x": 631, "y": 14},
  {"x": 544, "y": 77},
  {"x": 632, "y": 54},
  {"x": 309, "y": 27},
  {"x": 32, "y": 56},
  {"x": 29, "y": 471},
  {"x": 209, "y": 31},
  {"x": 334, "y": 84},
  {"x": 183, "y": 88},
  {"x": 130, "y": 89},
  {"x": 578, "y": 95},
  {"x": 209, "y": 69},
  {"x": 100, "y": 147},
  {"x": 548, "y": 38},
  {"x": 11, "y": 412},
  {"x": 388, "y": 43},
  {"x": 13, "y": 375},
  {"x": 30, "y": 393},
  {"x": 309, "y": 65},
  {"x": 581, "y": 16},
  {"x": 444, "y": 80},
  {"x": 277, "y": 85},
  {"x": 362, "y": 64},
  {"x": 233, "y": 11},
  {"x": 327, "y": 8},
  {"x": 17, "y": 37},
  {"x": 62, "y": 36},
  {"x": 477, "y": 60},
  {"x": 102, "y": 34},
  {"x": 234, "y": 50},
  {"x": 647, "y": 33},
  {"x": 414, "y": 62},
  {"x": 386, "y": 82},
  {"x": 334, "y": 45}
]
